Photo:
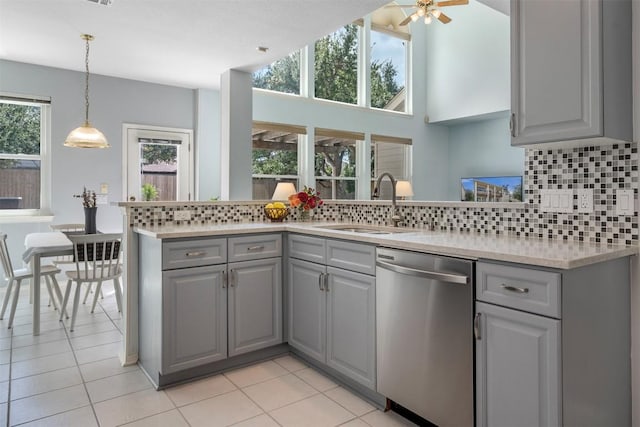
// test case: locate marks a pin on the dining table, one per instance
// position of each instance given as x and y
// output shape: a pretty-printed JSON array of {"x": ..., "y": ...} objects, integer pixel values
[{"x": 39, "y": 246}]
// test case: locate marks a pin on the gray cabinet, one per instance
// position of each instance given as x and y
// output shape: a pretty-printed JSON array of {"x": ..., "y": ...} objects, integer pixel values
[
  {"x": 571, "y": 71},
  {"x": 255, "y": 305},
  {"x": 351, "y": 307},
  {"x": 197, "y": 308},
  {"x": 332, "y": 310},
  {"x": 552, "y": 346},
  {"x": 194, "y": 321},
  {"x": 307, "y": 308},
  {"x": 517, "y": 359}
]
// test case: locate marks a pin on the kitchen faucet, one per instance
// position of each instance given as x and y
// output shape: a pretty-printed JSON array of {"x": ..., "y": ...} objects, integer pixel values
[{"x": 396, "y": 218}]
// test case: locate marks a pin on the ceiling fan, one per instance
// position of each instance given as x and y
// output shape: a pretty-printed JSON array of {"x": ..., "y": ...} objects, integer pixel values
[{"x": 429, "y": 9}]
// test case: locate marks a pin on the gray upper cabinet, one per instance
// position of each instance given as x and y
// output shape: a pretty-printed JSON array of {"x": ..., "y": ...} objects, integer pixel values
[
  {"x": 571, "y": 71},
  {"x": 254, "y": 305},
  {"x": 517, "y": 376},
  {"x": 194, "y": 321}
]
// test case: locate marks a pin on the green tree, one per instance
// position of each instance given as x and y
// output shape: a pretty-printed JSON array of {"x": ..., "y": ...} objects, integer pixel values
[
  {"x": 158, "y": 153},
  {"x": 19, "y": 130}
]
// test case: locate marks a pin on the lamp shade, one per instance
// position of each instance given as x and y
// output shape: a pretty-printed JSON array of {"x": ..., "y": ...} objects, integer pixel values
[
  {"x": 283, "y": 191},
  {"x": 86, "y": 136},
  {"x": 404, "y": 189}
]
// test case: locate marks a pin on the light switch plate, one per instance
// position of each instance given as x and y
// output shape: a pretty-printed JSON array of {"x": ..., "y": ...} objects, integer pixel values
[
  {"x": 625, "y": 203},
  {"x": 560, "y": 201},
  {"x": 585, "y": 200},
  {"x": 182, "y": 215}
]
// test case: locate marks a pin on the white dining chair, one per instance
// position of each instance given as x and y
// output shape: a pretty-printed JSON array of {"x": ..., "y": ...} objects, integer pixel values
[
  {"x": 66, "y": 228},
  {"x": 15, "y": 278},
  {"x": 97, "y": 259}
]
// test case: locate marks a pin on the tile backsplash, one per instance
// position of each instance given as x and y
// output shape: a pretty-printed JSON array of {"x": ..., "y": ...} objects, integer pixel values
[{"x": 603, "y": 169}]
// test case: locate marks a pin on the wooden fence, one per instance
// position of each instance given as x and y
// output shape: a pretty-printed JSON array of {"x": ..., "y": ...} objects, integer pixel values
[
  {"x": 164, "y": 183},
  {"x": 23, "y": 183}
]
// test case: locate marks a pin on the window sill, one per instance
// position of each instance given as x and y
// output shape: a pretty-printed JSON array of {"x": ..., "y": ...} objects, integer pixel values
[{"x": 8, "y": 218}]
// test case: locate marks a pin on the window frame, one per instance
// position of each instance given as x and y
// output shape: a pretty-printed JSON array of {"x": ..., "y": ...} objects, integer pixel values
[{"x": 44, "y": 211}]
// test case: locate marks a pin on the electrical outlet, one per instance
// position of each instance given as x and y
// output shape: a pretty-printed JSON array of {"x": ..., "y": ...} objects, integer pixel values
[
  {"x": 182, "y": 215},
  {"x": 625, "y": 203},
  {"x": 585, "y": 200}
]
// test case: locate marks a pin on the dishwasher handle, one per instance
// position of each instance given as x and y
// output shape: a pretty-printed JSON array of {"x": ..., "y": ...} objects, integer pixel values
[{"x": 442, "y": 277}]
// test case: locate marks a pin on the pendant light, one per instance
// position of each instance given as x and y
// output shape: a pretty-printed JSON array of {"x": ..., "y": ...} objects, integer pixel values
[{"x": 86, "y": 136}]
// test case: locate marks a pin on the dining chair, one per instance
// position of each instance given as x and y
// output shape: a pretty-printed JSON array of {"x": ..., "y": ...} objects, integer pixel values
[
  {"x": 15, "y": 278},
  {"x": 66, "y": 228},
  {"x": 97, "y": 259}
]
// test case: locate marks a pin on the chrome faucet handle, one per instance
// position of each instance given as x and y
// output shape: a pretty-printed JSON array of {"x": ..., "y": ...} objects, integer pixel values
[{"x": 397, "y": 219}]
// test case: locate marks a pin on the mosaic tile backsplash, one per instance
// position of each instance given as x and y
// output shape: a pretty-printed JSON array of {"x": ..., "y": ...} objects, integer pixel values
[{"x": 604, "y": 169}]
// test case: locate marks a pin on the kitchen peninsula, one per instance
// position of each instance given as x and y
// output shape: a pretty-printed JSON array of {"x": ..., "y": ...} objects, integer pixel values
[{"x": 559, "y": 298}]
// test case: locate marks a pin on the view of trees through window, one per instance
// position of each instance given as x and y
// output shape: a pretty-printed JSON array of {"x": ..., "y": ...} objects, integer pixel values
[
  {"x": 20, "y": 127},
  {"x": 335, "y": 167},
  {"x": 274, "y": 158},
  {"x": 281, "y": 76}
]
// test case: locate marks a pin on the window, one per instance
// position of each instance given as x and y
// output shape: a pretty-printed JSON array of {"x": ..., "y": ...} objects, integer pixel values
[
  {"x": 274, "y": 156},
  {"x": 281, "y": 76},
  {"x": 23, "y": 142},
  {"x": 335, "y": 163},
  {"x": 336, "y": 66},
  {"x": 393, "y": 155},
  {"x": 388, "y": 70}
]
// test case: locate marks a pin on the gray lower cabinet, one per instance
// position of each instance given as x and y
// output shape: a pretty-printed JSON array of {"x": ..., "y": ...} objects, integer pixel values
[
  {"x": 332, "y": 310},
  {"x": 553, "y": 346},
  {"x": 197, "y": 308},
  {"x": 571, "y": 71},
  {"x": 194, "y": 321},
  {"x": 518, "y": 379},
  {"x": 254, "y": 305}
]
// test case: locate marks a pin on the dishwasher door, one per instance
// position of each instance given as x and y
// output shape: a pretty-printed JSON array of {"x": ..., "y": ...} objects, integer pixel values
[{"x": 424, "y": 310}]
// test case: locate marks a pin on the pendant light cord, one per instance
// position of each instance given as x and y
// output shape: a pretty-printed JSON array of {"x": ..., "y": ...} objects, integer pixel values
[{"x": 86, "y": 85}]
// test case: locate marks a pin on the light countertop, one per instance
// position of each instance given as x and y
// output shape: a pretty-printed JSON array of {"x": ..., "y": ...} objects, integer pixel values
[{"x": 538, "y": 252}]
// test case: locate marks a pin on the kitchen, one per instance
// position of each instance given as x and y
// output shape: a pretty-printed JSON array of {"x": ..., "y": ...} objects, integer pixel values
[{"x": 180, "y": 112}]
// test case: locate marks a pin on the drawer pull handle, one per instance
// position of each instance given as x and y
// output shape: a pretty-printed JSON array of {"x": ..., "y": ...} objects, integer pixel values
[
  {"x": 476, "y": 326},
  {"x": 255, "y": 248},
  {"x": 321, "y": 281},
  {"x": 515, "y": 289},
  {"x": 201, "y": 253}
]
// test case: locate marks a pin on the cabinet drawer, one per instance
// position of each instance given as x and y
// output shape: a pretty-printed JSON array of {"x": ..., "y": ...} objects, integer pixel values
[
  {"x": 255, "y": 247},
  {"x": 351, "y": 256},
  {"x": 307, "y": 248},
  {"x": 535, "y": 291},
  {"x": 193, "y": 253}
]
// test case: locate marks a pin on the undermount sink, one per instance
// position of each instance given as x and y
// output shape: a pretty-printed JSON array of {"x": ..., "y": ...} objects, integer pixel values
[{"x": 365, "y": 229}]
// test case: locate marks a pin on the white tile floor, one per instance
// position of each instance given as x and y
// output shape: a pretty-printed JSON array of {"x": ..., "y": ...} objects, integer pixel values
[{"x": 63, "y": 378}]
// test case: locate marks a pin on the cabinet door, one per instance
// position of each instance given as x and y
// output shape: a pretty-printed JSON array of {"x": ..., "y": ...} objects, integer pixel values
[
  {"x": 351, "y": 324},
  {"x": 255, "y": 305},
  {"x": 307, "y": 308},
  {"x": 556, "y": 78},
  {"x": 517, "y": 369},
  {"x": 194, "y": 323}
]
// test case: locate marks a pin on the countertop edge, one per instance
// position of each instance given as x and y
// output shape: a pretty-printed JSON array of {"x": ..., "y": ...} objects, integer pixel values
[{"x": 396, "y": 241}]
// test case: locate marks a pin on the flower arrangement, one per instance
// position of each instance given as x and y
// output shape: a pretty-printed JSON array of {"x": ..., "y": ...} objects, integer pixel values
[
  {"x": 306, "y": 199},
  {"x": 88, "y": 198}
]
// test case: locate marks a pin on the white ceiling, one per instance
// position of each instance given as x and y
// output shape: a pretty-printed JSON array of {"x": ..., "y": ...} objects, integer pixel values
[{"x": 186, "y": 43}]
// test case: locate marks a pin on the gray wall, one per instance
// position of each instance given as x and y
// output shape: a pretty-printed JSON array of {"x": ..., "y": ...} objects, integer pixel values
[
  {"x": 208, "y": 144},
  {"x": 481, "y": 148},
  {"x": 113, "y": 102}
]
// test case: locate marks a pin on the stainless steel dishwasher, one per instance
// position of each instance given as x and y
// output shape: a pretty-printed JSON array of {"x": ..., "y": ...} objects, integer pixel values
[{"x": 424, "y": 317}]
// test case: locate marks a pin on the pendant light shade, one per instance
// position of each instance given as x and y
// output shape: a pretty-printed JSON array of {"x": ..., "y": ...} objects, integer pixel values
[{"x": 86, "y": 136}]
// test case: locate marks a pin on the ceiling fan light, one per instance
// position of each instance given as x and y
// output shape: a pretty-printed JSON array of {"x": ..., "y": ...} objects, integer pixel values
[
  {"x": 427, "y": 19},
  {"x": 420, "y": 12},
  {"x": 436, "y": 13},
  {"x": 86, "y": 136},
  {"x": 415, "y": 17}
]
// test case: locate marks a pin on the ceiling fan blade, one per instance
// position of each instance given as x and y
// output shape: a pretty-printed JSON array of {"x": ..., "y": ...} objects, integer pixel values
[
  {"x": 407, "y": 19},
  {"x": 444, "y": 18},
  {"x": 452, "y": 3}
]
